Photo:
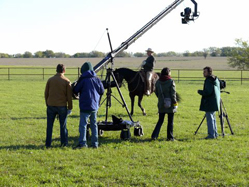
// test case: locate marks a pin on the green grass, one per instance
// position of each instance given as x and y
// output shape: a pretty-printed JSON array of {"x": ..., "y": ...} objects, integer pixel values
[{"x": 190, "y": 161}]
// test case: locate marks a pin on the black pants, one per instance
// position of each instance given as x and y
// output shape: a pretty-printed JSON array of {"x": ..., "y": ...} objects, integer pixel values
[{"x": 169, "y": 127}]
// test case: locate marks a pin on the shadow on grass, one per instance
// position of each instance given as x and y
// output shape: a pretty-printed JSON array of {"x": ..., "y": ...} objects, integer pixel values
[
  {"x": 103, "y": 140},
  {"x": 30, "y": 118},
  {"x": 24, "y": 118},
  {"x": 18, "y": 147}
]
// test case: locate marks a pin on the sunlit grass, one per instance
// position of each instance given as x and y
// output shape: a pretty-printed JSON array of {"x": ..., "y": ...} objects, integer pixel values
[{"x": 190, "y": 161}]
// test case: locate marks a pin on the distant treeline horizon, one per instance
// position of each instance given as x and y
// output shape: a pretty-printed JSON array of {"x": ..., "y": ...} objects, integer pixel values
[{"x": 211, "y": 51}]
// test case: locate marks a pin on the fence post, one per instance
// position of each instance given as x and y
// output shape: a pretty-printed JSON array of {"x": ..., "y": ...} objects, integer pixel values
[
  {"x": 241, "y": 76},
  {"x": 43, "y": 73},
  {"x": 8, "y": 73},
  {"x": 178, "y": 75}
]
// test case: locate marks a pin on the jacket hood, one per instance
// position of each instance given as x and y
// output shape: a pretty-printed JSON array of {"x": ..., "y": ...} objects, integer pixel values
[
  {"x": 213, "y": 79},
  {"x": 88, "y": 74},
  {"x": 86, "y": 67}
]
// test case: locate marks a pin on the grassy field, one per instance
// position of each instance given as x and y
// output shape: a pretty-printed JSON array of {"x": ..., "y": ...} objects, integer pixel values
[
  {"x": 190, "y": 161},
  {"x": 172, "y": 62}
]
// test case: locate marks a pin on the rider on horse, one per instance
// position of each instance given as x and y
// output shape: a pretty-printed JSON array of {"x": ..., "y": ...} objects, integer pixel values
[{"x": 148, "y": 66}]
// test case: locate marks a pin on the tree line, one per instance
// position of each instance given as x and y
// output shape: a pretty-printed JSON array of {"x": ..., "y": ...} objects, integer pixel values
[
  {"x": 212, "y": 51},
  {"x": 238, "y": 57}
]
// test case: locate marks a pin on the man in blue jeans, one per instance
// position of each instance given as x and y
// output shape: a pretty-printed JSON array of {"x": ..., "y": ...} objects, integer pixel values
[
  {"x": 90, "y": 88},
  {"x": 58, "y": 98},
  {"x": 210, "y": 101}
]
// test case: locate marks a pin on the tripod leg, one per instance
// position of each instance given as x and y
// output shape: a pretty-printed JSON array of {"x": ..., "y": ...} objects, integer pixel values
[
  {"x": 200, "y": 124},
  {"x": 221, "y": 119},
  {"x": 228, "y": 122},
  {"x": 121, "y": 96},
  {"x": 230, "y": 127}
]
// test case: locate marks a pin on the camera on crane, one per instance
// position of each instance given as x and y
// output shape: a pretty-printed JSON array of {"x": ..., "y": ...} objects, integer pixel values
[{"x": 187, "y": 14}]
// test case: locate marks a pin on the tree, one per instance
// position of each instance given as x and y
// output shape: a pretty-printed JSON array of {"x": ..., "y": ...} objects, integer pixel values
[
  {"x": 186, "y": 53},
  {"x": 48, "y": 54},
  {"x": 27, "y": 54},
  {"x": 61, "y": 55},
  {"x": 205, "y": 52},
  {"x": 214, "y": 51},
  {"x": 96, "y": 54},
  {"x": 240, "y": 55},
  {"x": 197, "y": 53},
  {"x": 226, "y": 51},
  {"x": 5, "y": 55},
  {"x": 123, "y": 54},
  {"x": 39, "y": 54},
  {"x": 18, "y": 55},
  {"x": 81, "y": 55},
  {"x": 138, "y": 54}
]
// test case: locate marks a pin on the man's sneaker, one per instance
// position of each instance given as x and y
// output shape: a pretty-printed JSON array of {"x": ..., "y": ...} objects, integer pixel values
[
  {"x": 64, "y": 145},
  {"x": 80, "y": 146},
  {"x": 171, "y": 139}
]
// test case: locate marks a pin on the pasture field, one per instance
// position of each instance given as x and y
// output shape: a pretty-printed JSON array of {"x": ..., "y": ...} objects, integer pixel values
[
  {"x": 133, "y": 63},
  {"x": 189, "y": 161}
]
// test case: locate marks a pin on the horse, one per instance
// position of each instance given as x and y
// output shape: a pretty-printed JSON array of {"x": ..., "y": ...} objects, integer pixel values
[{"x": 136, "y": 84}]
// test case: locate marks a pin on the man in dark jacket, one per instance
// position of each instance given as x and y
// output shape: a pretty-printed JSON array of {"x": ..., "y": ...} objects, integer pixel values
[
  {"x": 90, "y": 87},
  {"x": 148, "y": 66},
  {"x": 58, "y": 98},
  {"x": 210, "y": 101}
]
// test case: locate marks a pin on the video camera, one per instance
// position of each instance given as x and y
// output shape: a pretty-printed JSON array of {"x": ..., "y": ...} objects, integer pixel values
[
  {"x": 223, "y": 84},
  {"x": 187, "y": 14}
]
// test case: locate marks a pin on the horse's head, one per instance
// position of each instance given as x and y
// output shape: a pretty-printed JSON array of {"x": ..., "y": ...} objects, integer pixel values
[{"x": 119, "y": 77}]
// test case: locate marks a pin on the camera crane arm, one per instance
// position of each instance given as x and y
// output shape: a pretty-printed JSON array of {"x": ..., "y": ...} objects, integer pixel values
[{"x": 138, "y": 34}]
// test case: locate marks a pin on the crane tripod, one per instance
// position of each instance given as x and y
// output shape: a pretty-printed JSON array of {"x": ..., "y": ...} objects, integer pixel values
[
  {"x": 222, "y": 115},
  {"x": 117, "y": 123}
]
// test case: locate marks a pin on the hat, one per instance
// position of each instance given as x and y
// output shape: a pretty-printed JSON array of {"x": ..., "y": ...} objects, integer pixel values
[
  {"x": 85, "y": 67},
  {"x": 150, "y": 50}
]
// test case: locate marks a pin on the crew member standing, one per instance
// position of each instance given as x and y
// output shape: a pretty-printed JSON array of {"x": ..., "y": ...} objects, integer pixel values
[
  {"x": 210, "y": 101},
  {"x": 90, "y": 87},
  {"x": 165, "y": 88},
  {"x": 58, "y": 98},
  {"x": 148, "y": 66}
]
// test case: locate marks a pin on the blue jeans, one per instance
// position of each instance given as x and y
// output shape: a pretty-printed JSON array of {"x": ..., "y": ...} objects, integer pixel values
[
  {"x": 84, "y": 116},
  {"x": 211, "y": 124},
  {"x": 156, "y": 131},
  {"x": 51, "y": 114}
]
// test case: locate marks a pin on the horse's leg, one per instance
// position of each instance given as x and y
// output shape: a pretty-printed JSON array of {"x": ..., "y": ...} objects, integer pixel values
[
  {"x": 132, "y": 102},
  {"x": 140, "y": 98}
]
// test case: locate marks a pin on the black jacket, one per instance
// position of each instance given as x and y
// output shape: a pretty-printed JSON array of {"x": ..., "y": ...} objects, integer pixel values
[
  {"x": 210, "y": 100},
  {"x": 149, "y": 65}
]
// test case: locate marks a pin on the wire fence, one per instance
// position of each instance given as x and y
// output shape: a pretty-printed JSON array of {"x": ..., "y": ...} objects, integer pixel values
[{"x": 179, "y": 75}]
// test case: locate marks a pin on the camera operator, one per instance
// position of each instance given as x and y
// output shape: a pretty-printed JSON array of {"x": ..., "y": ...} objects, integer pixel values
[{"x": 210, "y": 101}]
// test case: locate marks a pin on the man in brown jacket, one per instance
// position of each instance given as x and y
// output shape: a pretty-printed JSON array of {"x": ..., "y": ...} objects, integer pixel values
[{"x": 58, "y": 97}]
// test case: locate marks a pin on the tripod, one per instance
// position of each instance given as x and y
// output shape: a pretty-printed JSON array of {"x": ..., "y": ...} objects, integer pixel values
[
  {"x": 222, "y": 114},
  {"x": 109, "y": 85}
]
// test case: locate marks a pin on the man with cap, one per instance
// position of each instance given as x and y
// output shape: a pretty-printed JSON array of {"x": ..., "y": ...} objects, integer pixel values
[
  {"x": 58, "y": 98},
  {"x": 148, "y": 66},
  {"x": 90, "y": 88}
]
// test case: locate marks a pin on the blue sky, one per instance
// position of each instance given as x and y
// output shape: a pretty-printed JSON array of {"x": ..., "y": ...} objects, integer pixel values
[{"x": 77, "y": 25}]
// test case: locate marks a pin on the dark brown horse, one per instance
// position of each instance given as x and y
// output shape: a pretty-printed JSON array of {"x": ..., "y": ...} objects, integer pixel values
[{"x": 136, "y": 84}]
